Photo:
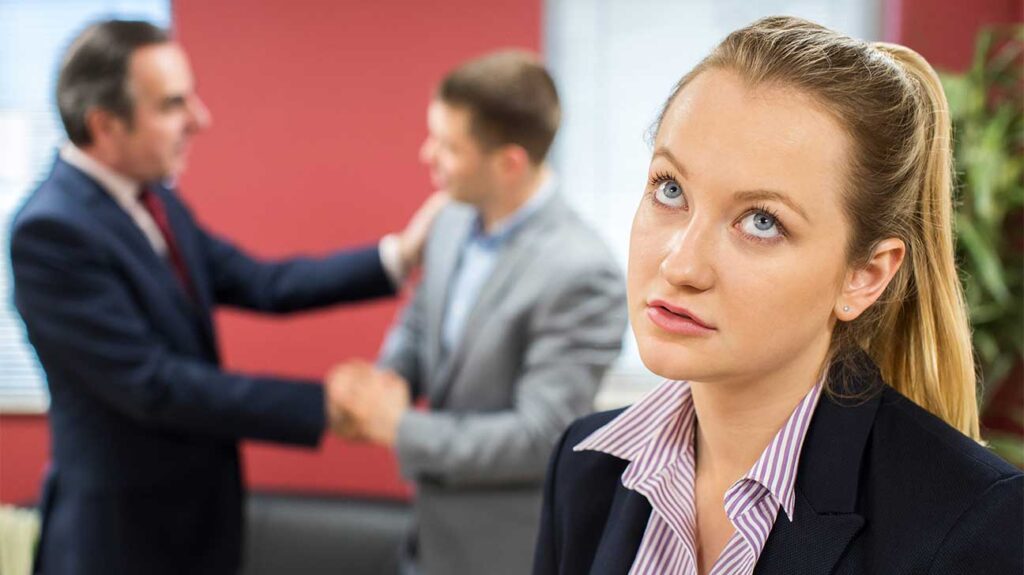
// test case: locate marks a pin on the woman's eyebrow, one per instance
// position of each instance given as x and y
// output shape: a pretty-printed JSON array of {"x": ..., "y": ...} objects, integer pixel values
[
  {"x": 743, "y": 196},
  {"x": 665, "y": 153},
  {"x": 756, "y": 195}
]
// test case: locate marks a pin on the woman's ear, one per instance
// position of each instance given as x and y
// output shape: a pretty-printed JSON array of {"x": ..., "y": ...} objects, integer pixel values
[{"x": 863, "y": 285}]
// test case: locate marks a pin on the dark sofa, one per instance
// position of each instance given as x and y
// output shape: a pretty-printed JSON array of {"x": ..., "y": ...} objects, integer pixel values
[{"x": 311, "y": 535}]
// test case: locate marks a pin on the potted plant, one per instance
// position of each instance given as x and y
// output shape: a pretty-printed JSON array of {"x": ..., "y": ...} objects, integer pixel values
[{"x": 987, "y": 108}]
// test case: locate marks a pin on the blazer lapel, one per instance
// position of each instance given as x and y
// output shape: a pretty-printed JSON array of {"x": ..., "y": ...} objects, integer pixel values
[
  {"x": 623, "y": 532},
  {"x": 514, "y": 256},
  {"x": 183, "y": 236},
  {"x": 437, "y": 281},
  {"x": 116, "y": 220},
  {"x": 811, "y": 543},
  {"x": 825, "y": 519}
]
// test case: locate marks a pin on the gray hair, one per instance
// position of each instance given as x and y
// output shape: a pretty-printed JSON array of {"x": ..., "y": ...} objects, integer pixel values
[{"x": 94, "y": 72}]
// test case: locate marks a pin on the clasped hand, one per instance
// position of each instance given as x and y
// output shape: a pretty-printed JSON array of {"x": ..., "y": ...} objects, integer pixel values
[{"x": 365, "y": 403}]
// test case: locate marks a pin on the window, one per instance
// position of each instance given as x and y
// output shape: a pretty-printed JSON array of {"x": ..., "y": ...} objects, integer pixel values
[
  {"x": 33, "y": 36},
  {"x": 615, "y": 63}
]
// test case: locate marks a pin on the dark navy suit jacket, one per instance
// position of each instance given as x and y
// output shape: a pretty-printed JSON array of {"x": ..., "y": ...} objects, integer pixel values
[
  {"x": 144, "y": 423},
  {"x": 882, "y": 487}
]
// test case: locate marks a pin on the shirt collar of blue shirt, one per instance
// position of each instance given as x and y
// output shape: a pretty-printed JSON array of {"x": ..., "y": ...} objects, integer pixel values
[{"x": 506, "y": 228}]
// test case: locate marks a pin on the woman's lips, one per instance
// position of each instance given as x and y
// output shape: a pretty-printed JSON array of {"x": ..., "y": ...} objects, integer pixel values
[{"x": 676, "y": 320}]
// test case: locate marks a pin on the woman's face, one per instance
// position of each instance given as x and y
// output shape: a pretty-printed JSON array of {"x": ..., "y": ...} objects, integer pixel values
[{"x": 740, "y": 228}]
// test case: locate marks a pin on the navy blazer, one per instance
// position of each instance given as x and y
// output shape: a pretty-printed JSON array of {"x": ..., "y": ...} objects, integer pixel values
[
  {"x": 882, "y": 486},
  {"x": 144, "y": 423}
]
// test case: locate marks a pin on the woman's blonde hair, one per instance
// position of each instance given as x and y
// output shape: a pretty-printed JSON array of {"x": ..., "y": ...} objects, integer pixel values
[{"x": 891, "y": 104}]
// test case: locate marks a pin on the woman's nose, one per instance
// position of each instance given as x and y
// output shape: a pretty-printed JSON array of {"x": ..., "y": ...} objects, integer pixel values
[{"x": 689, "y": 256}]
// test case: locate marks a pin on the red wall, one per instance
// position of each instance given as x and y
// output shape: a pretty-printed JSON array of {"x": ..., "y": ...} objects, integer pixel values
[
  {"x": 24, "y": 446},
  {"x": 944, "y": 31},
  {"x": 318, "y": 113}
]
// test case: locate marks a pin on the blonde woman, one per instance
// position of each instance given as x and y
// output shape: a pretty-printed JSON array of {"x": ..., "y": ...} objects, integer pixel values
[{"x": 791, "y": 274}]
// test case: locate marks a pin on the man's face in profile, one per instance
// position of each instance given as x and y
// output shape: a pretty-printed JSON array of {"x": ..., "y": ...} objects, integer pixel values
[
  {"x": 458, "y": 163},
  {"x": 167, "y": 113}
]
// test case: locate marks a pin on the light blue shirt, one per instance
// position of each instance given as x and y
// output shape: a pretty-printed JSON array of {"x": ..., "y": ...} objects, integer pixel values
[{"x": 479, "y": 255}]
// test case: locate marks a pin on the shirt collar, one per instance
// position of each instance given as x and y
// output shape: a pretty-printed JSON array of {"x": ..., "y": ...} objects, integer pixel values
[
  {"x": 657, "y": 431},
  {"x": 776, "y": 468},
  {"x": 123, "y": 189},
  {"x": 632, "y": 431},
  {"x": 506, "y": 227}
]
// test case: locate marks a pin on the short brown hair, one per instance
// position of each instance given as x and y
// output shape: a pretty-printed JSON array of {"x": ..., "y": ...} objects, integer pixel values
[{"x": 511, "y": 98}]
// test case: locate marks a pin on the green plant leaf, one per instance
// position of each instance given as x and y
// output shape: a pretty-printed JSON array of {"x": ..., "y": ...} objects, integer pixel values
[
  {"x": 987, "y": 266},
  {"x": 987, "y": 108}
]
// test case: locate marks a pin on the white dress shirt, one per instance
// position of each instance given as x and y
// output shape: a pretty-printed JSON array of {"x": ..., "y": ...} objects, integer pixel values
[{"x": 124, "y": 191}]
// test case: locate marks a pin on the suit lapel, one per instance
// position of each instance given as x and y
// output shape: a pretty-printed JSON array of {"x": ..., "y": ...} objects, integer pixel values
[
  {"x": 114, "y": 219},
  {"x": 811, "y": 543},
  {"x": 825, "y": 518},
  {"x": 118, "y": 222},
  {"x": 515, "y": 255},
  {"x": 438, "y": 280},
  {"x": 180, "y": 294},
  {"x": 623, "y": 532},
  {"x": 184, "y": 238}
]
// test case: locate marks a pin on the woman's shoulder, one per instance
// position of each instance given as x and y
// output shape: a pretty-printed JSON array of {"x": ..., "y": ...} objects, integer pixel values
[
  {"x": 912, "y": 433},
  {"x": 932, "y": 489}
]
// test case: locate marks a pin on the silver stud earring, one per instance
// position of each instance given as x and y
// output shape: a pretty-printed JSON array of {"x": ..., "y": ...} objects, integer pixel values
[{"x": 846, "y": 308}]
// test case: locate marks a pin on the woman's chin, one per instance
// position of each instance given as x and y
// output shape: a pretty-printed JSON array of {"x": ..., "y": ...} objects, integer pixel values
[{"x": 669, "y": 364}]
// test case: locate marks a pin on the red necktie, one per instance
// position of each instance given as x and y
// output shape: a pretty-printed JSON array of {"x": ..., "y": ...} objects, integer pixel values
[{"x": 155, "y": 206}]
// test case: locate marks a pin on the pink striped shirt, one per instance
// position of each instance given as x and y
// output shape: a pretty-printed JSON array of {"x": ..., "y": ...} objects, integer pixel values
[{"x": 656, "y": 436}]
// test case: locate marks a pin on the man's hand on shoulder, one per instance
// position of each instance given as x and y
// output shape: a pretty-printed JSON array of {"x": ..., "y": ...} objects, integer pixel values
[{"x": 412, "y": 239}]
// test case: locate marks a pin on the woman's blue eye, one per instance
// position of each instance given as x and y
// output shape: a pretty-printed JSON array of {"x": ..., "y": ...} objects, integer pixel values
[
  {"x": 670, "y": 193},
  {"x": 761, "y": 224}
]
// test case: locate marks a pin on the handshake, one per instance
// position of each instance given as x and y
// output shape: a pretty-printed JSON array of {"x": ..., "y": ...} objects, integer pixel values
[{"x": 365, "y": 403}]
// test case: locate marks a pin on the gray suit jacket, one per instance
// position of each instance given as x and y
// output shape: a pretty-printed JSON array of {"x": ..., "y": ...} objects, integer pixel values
[{"x": 547, "y": 324}]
